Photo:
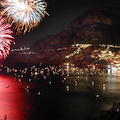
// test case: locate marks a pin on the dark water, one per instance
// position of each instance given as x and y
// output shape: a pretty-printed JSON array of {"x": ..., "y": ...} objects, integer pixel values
[{"x": 54, "y": 102}]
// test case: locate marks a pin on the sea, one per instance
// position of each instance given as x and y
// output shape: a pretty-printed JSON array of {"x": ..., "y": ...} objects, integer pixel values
[{"x": 77, "y": 97}]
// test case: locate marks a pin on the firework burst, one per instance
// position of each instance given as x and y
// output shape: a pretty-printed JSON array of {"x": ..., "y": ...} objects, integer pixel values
[
  {"x": 6, "y": 38},
  {"x": 24, "y": 15}
]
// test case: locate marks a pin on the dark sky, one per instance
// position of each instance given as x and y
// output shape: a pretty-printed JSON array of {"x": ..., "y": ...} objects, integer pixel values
[{"x": 62, "y": 12}]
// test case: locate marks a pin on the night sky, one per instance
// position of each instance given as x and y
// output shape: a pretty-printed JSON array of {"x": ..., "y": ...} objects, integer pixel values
[{"x": 62, "y": 12}]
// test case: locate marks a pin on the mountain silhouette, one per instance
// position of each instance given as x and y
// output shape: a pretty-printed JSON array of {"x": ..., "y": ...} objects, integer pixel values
[{"x": 97, "y": 25}]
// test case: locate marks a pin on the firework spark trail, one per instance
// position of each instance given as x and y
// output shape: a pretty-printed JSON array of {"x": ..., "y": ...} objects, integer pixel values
[
  {"x": 24, "y": 15},
  {"x": 6, "y": 38}
]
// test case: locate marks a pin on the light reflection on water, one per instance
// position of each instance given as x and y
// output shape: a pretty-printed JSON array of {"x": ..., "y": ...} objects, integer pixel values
[
  {"x": 13, "y": 100},
  {"x": 84, "y": 103},
  {"x": 78, "y": 103}
]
